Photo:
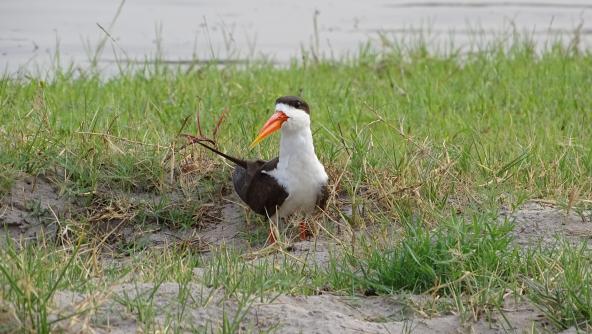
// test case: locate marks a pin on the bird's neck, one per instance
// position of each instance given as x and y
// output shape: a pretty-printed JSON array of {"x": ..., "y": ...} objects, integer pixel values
[{"x": 297, "y": 145}]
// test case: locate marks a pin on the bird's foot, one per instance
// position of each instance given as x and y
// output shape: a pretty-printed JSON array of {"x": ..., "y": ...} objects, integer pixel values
[
  {"x": 271, "y": 239},
  {"x": 305, "y": 232}
]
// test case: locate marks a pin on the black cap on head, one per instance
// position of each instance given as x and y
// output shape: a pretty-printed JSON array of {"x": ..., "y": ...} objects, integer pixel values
[{"x": 294, "y": 101}]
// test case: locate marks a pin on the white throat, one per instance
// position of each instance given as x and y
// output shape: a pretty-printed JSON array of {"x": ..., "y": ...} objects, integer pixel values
[{"x": 297, "y": 143}]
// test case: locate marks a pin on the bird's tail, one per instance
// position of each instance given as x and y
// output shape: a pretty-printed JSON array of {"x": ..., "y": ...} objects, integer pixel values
[{"x": 236, "y": 161}]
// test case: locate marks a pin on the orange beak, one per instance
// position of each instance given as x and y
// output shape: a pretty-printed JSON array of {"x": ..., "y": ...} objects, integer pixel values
[{"x": 273, "y": 124}]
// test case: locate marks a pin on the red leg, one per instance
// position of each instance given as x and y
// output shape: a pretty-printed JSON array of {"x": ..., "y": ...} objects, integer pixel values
[
  {"x": 271, "y": 237},
  {"x": 304, "y": 231}
]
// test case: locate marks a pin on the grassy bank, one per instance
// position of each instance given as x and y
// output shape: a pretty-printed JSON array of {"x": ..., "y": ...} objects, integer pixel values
[{"x": 423, "y": 149}]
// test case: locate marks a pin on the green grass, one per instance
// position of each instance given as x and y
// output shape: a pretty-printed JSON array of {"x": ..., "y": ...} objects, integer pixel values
[
  {"x": 426, "y": 149},
  {"x": 424, "y": 260},
  {"x": 475, "y": 263},
  {"x": 511, "y": 120},
  {"x": 562, "y": 286},
  {"x": 30, "y": 278}
]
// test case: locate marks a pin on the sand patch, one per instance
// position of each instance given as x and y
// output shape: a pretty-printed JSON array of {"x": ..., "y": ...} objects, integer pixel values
[
  {"x": 542, "y": 223},
  {"x": 194, "y": 307},
  {"x": 32, "y": 206}
]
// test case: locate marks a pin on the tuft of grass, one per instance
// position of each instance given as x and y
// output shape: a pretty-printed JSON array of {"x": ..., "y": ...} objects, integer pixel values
[
  {"x": 31, "y": 278},
  {"x": 273, "y": 275},
  {"x": 475, "y": 263},
  {"x": 469, "y": 259},
  {"x": 562, "y": 286},
  {"x": 457, "y": 254}
]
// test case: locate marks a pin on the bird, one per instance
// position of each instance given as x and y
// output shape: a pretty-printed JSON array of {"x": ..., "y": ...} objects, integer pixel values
[{"x": 295, "y": 181}]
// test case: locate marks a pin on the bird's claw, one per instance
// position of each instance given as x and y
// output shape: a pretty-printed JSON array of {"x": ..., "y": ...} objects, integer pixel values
[{"x": 305, "y": 232}]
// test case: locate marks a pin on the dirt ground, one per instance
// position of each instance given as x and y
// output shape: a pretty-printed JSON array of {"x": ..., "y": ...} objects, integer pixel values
[
  {"x": 286, "y": 314},
  {"x": 545, "y": 222},
  {"x": 34, "y": 205}
]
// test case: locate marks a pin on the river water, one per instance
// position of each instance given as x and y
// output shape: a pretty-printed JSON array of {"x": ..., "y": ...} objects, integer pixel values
[{"x": 180, "y": 30}]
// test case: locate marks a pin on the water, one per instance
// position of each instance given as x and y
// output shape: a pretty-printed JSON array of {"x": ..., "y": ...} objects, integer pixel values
[{"x": 32, "y": 30}]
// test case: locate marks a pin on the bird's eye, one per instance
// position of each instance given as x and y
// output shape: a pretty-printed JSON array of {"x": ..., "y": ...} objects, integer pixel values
[{"x": 298, "y": 104}]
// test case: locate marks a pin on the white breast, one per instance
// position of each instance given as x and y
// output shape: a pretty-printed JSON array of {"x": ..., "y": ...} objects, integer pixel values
[{"x": 303, "y": 180}]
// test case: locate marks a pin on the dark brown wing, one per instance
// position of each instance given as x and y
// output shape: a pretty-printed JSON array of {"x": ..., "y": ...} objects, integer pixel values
[
  {"x": 260, "y": 191},
  {"x": 323, "y": 197}
]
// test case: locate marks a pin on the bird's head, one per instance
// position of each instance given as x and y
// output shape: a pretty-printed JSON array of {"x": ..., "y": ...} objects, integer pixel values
[{"x": 291, "y": 114}]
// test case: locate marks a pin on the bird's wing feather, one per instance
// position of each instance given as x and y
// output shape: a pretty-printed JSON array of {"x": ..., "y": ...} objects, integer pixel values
[{"x": 260, "y": 191}]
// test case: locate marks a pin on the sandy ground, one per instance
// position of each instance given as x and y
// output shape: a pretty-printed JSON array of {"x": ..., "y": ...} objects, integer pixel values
[
  {"x": 543, "y": 222},
  {"x": 283, "y": 314},
  {"x": 34, "y": 204}
]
